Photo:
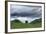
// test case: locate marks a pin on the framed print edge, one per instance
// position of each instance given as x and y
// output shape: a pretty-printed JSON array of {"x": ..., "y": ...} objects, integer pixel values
[{"x": 6, "y": 16}]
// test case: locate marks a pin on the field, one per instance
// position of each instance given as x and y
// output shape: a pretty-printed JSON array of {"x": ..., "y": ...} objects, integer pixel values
[{"x": 17, "y": 24}]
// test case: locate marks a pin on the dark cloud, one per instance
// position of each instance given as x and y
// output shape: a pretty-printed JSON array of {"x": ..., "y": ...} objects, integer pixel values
[{"x": 26, "y": 11}]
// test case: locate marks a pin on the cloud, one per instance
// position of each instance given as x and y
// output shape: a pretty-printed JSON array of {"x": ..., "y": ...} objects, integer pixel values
[
  {"x": 26, "y": 11},
  {"x": 23, "y": 13}
]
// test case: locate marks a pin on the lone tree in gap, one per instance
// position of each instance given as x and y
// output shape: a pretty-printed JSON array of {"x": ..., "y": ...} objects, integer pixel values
[{"x": 26, "y": 21}]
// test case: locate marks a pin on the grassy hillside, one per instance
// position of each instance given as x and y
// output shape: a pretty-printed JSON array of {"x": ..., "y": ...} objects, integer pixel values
[
  {"x": 18, "y": 24},
  {"x": 36, "y": 21}
]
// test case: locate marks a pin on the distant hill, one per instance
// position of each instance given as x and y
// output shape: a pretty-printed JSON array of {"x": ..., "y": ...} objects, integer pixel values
[
  {"x": 16, "y": 21},
  {"x": 37, "y": 21},
  {"x": 18, "y": 24},
  {"x": 33, "y": 22}
]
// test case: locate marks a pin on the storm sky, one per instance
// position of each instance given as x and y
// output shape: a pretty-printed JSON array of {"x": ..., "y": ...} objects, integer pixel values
[{"x": 23, "y": 12}]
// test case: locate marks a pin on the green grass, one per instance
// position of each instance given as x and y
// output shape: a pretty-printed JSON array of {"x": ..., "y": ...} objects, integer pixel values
[
  {"x": 18, "y": 24},
  {"x": 24, "y": 25}
]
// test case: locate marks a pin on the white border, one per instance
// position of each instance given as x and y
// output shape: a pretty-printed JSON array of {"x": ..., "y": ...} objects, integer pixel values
[{"x": 26, "y": 29}]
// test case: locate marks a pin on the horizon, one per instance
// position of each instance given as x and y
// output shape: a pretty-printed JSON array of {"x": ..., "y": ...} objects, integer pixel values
[{"x": 23, "y": 13}]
